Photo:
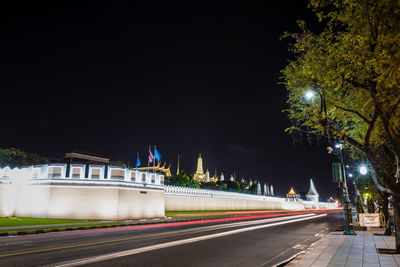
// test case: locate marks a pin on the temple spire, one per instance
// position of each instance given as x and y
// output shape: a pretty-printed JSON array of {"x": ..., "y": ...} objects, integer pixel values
[
  {"x": 199, "y": 175},
  {"x": 312, "y": 191},
  {"x": 177, "y": 168}
]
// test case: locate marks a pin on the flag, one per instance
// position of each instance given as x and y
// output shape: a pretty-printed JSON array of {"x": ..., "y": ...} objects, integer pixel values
[
  {"x": 138, "y": 161},
  {"x": 151, "y": 156},
  {"x": 157, "y": 155}
]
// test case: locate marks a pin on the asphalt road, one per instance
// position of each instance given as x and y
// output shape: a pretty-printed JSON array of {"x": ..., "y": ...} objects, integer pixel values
[{"x": 263, "y": 240}]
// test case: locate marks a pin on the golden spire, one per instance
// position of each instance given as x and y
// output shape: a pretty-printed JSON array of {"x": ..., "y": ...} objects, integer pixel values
[
  {"x": 199, "y": 175},
  {"x": 177, "y": 168},
  {"x": 200, "y": 166}
]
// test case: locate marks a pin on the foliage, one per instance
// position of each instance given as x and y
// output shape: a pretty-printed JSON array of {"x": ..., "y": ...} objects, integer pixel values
[
  {"x": 182, "y": 179},
  {"x": 118, "y": 163},
  {"x": 214, "y": 186},
  {"x": 16, "y": 157},
  {"x": 233, "y": 186},
  {"x": 353, "y": 66}
]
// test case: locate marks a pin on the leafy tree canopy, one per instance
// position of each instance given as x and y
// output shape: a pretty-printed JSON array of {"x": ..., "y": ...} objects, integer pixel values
[
  {"x": 16, "y": 157},
  {"x": 353, "y": 67}
]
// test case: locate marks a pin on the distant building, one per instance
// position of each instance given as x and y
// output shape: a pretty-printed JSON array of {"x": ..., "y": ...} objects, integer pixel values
[{"x": 292, "y": 193}]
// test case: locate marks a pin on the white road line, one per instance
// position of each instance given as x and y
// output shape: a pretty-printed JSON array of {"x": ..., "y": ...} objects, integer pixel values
[{"x": 176, "y": 243}]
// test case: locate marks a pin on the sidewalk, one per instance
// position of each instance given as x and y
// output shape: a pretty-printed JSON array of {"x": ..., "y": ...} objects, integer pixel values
[{"x": 336, "y": 249}]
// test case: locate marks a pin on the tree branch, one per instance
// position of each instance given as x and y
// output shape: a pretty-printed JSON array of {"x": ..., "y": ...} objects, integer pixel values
[
  {"x": 370, "y": 128},
  {"x": 355, "y": 112}
]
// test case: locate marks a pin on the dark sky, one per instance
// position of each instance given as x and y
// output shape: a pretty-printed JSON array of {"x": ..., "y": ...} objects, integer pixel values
[{"x": 112, "y": 78}]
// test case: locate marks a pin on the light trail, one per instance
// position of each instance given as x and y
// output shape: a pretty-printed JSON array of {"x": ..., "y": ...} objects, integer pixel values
[
  {"x": 129, "y": 252},
  {"x": 174, "y": 233}
]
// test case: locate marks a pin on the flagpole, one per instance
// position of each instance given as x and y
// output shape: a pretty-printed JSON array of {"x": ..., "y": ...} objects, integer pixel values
[{"x": 154, "y": 153}]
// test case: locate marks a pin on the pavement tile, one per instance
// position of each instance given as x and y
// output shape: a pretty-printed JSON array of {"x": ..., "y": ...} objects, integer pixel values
[
  {"x": 336, "y": 265},
  {"x": 353, "y": 265},
  {"x": 350, "y": 251},
  {"x": 397, "y": 259}
]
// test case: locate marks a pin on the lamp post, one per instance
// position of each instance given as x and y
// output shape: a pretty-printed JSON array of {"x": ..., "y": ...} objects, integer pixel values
[
  {"x": 309, "y": 95},
  {"x": 346, "y": 199}
]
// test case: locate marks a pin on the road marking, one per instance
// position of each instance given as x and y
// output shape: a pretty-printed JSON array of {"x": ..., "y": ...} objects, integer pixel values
[
  {"x": 176, "y": 243},
  {"x": 198, "y": 229}
]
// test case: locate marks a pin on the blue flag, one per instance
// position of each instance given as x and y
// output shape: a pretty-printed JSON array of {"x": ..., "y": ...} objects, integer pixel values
[
  {"x": 156, "y": 154},
  {"x": 138, "y": 161}
]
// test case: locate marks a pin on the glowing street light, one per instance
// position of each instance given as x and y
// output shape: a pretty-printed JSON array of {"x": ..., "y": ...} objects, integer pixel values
[
  {"x": 309, "y": 94},
  {"x": 350, "y": 175},
  {"x": 338, "y": 146},
  {"x": 363, "y": 170}
]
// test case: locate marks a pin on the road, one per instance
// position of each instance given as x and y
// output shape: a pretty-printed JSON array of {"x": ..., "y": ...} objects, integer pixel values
[{"x": 245, "y": 240}]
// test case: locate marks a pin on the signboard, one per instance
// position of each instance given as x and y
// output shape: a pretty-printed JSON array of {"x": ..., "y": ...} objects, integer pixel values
[
  {"x": 369, "y": 219},
  {"x": 337, "y": 172}
]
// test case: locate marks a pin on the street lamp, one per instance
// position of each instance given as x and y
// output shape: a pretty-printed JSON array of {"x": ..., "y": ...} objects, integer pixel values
[
  {"x": 363, "y": 170},
  {"x": 309, "y": 94},
  {"x": 346, "y": 199}
]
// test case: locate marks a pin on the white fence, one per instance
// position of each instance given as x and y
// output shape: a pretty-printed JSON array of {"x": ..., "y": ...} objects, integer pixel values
[
  {"x": 184, "y": 198},
  {"x": 196, "y": 192}
]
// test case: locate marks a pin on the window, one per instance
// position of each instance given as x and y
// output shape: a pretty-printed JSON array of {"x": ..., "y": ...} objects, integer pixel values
[
  {"x": 76, "y": 173},
  {"x": 161, "y": 179},
  {"x": 54, "y": 172},
  {"x": 95, "y": 173},
  {"x": 143, "y": 177},
  {"x": 133, "y": 176},
  {"x": 117, "y": 174},
  {"x": 153, "y": 179}
]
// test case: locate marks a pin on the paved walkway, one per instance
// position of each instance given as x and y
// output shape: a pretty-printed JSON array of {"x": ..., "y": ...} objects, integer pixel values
[{"x": 337, "y": 250}]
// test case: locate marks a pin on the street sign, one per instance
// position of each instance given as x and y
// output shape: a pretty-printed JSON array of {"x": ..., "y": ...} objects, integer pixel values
[
  {"x": 369, "y": 219},
  {"x": 337, "y": 172}
]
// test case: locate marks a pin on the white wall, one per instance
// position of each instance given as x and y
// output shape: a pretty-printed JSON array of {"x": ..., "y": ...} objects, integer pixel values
[
  {"x": 188, "y": 199},
  {"x": 38, "y": 191},
  {"x": 23, "y": 193}
]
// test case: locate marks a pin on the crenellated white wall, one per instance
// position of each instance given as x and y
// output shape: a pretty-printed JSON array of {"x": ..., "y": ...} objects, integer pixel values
[
  {"x": 190, "y": 199},
  {"x": 49, "y": 191}
]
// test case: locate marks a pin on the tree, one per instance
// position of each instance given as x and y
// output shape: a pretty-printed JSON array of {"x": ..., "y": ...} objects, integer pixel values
[
  {"x": 352, "y": 65},
  {"x": 182, "y": 179},
  {"x": 16, "y": 157}
]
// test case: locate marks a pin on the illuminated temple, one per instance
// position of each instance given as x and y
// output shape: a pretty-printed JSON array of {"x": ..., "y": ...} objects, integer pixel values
[{"x": 200, "y": 176}]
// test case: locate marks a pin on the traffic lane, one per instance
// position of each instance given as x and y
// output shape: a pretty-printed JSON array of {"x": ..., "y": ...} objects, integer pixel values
[
  {"x": 48, "y": 240},
  {"x": 253, "y": 248},
  {"x": 47, "y": 255}
]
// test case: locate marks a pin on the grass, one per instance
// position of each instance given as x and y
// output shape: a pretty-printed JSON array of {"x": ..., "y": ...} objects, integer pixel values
[
  {"x": 9, "y": 221},
  {"x": 55, "y": 227}
]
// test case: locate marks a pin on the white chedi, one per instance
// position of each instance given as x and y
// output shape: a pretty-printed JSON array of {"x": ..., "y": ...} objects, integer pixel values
[
  {"x": 207, "y": 176},
  {"x": 258, "y": 189}
]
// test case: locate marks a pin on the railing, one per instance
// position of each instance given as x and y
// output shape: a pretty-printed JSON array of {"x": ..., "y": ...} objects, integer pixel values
[
  {"x": 196, "y": 192},
  {"x": 178, "y": 190}
]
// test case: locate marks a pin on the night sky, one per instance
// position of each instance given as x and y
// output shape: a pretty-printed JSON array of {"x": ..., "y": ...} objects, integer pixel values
[{"x": 113, "y": 78}]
